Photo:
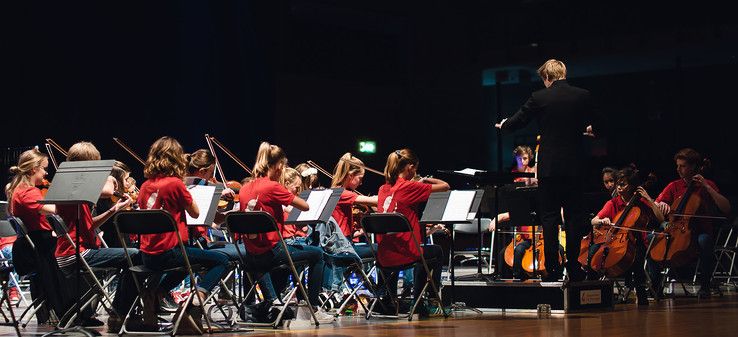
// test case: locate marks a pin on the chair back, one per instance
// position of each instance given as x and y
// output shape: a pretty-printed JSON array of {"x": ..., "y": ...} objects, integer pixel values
[
  {"x": 149, "y": 221},
  {"x": 6, "y": 229},
  {"x": 385, "y": 223},
  {"x": 252, "y": 222}
]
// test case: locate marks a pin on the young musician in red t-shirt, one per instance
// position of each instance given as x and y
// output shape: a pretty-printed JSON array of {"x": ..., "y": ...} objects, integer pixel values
[
  {"x": 402, "y": 194},
  {"x": 164, "y": 189},
  {"x": 89, "y": 243},
  {"x": 523, "y": 156},
  {"x": 713, "y": 204},
  {"x": 23, "y": 196},
  {"x": 265, "y": 193},
  {"x": 292, "y": 181},
  {"x": 349, "y": 174},
  {"x": 628, "y": 183}
]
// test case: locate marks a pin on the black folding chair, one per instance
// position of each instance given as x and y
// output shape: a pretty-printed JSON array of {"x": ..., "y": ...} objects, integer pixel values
[
  {"x": 6, "y": 267},
  {"x": 89, "y": 275},
  {"x": 142, "y": 222},
  {"x": 389, "y": 223},
  {"x": 260, "y": 222}
]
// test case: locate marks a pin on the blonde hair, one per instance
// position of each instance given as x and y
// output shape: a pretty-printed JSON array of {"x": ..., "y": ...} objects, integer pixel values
[
  {"x": 552, "y": 70},
  {"x": 289, "y": 176},
  {"x": 396, "y": 163},
  {"x": 309, "y": 181},
  {"x": 27, "y": 162},
  {"x": 166, "y": 158},
  {"x": 83, "y": 151},
  {"x": 268, "y": 156},
  {"x": 198, "y": 160},
  {"x": 346, "y": 166}
]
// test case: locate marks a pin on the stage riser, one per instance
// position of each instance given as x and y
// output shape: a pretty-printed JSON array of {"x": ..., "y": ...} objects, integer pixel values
[{"x": 527, "y": 296}]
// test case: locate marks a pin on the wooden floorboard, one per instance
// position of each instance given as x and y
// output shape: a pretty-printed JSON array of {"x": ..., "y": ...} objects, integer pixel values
[{"x": 717, "y": 316}]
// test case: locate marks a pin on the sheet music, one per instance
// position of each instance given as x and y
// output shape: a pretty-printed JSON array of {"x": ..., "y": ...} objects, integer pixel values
[
  {"x": 316, "y": 200},
  {"x": 202, "y": 196},
  {"x": 469, "y": 171},
  {"x": 459, "y": 203}
]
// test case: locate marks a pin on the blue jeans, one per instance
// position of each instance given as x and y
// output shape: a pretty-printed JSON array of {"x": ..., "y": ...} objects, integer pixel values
[
  {"x": 277, "y": 256},
  {"x": 216, "y": 264},
  {"x": 125, "y": 292},
  {"x": 7, "y": 252},
  {"x": 333, "y": 273}
]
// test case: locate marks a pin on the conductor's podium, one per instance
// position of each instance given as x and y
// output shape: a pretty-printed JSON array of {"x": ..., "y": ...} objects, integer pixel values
[{"x": 525, "y": 296}]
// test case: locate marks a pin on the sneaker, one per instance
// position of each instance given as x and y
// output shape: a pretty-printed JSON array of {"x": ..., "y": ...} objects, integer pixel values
[
  {"x": 14, "y": 295},
  {"x": 324, "y": 317},
  {"x": 191, "y": 323},
  {"x": 641, "y": 296},
  {"x": 167, "y": 304},
  {"x": 114, "y": 324},
  {"x": 91, "y": 322},
  {"x": 432, "y": 309}
]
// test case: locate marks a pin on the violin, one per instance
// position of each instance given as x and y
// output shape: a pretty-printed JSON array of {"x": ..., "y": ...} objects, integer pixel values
[
  {"x": 226, "y": 202},
  {"x": 44, "y": 187},
  {"x": 617, "y": 252}
]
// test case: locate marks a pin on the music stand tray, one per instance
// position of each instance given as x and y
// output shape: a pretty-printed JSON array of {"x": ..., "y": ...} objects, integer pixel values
[{"x": 77, "y": 183}]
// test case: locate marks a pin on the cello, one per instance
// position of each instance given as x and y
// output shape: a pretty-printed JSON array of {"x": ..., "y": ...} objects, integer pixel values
[{"x": 617, "y": 252}]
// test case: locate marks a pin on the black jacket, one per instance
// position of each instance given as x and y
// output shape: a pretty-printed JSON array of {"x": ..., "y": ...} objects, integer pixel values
[{"x": 563, "y": 112}]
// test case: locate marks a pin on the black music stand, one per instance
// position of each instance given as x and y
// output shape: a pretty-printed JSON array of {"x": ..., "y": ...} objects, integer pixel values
[
  {"x": 450, "y": 208},
  {"x": 78, "y": 183},
  {"x": 481, "y": 179},
  {"x": 522, "y": 205}
]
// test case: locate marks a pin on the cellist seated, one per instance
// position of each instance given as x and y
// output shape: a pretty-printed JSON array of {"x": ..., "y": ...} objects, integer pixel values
[{"x": 627, "y": 184}]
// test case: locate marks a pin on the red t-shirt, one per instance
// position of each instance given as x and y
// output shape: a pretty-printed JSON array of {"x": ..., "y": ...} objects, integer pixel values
[
  {"x": 269, "y": 196},
  {"x": 289, "y": 231},
  {"x": 402, "y": 197},
  {"x": 343, "y": 213},
  {"x": 88, "y": 239},
  {"x": 25, "y": 206},
  {"x": 171, "y": 195},
  {"x": 617, "y": 204},
  {"x": 677, "y": 188}
]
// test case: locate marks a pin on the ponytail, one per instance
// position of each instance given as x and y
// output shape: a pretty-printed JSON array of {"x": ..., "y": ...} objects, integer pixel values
[
  {"x": 267, "y": 156},
  {"x": 27, "y": 162},
  {"x": 346, "y": 166},
  {"x": 396, "y": 163}
]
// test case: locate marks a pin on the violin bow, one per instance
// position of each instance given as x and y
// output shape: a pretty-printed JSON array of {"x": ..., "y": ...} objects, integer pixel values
[
  {"x": 230, "y": 154},
  {"x": 218, "y": 168},
  {"x": 129, "y": 150}
]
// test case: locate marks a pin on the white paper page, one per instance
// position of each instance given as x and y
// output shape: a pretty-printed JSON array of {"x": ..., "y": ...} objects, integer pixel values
[
  {"x": 316, "y": 200},
  {"x": 459, "y": 203},
  {"x": 202, "y": 196},
  {"x": 469, "y": 171}
]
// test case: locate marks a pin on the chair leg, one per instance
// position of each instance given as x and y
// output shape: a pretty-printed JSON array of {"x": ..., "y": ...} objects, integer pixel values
[{"x": 14, "y": 322}]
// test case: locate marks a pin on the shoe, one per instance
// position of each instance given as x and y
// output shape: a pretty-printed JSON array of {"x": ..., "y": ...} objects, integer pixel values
[
  {"x": 432, "y": 309},
  {"x": 704, "y": 292},
  {"x": 167, "y": 304},
  {"x": 324, "y": 317},
  {"x": 114, "y": 324},
  {"x": 91, "y": 322},
  {"x": 14, "y": 295}
]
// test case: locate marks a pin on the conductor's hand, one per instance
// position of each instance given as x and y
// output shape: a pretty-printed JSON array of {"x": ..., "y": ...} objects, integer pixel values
[
  {"x": 588, "y": 131},
  {"x": 499, "y": 125}
]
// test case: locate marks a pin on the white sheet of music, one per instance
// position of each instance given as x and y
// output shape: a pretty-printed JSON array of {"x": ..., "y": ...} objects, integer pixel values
[
  {"x": 202, "y": 196},
  {"x": 469, "y": 171},
  {"x": 459, "y": 203},
  {"x": 316, "y": 200}
]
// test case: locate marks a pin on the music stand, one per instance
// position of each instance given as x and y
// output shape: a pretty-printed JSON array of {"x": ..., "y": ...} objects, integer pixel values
[
  {"x": 522, "y": 207},
  {"x": 78, "y": 183},
  {"x": 321, "y": 202},
  {"x": 481, "y": 179},
  {"x": 451, "y": 208}
]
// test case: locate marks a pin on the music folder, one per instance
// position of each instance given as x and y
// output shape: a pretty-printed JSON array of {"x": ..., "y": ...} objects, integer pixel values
[
  {"x": 452, "y": 207},
  {"x": 206, "y": 195},
  {"x": 321, "y": 202}
]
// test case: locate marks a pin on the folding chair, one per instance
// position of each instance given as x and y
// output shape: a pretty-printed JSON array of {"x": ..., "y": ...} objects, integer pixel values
[
  {"x": 260, "y": 222},
  {"x": 6, "y": 268},
  {"x": 472, "y": 228},
  {"x": 142, "y": 222},
  {"x": 88, "y": 274},
  {"x": 39, "y": 302},
  {"x": 389, "y": 223},
  {"x": 351, "y": 265},
  {"x": 725, "y": 266}
]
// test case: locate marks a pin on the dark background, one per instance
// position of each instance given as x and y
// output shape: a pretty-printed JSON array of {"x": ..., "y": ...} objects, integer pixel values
[{"x": 317, "y": 76}]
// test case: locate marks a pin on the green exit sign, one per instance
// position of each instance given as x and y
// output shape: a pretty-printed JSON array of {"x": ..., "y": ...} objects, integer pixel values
[{"x": 367, "y": 146}]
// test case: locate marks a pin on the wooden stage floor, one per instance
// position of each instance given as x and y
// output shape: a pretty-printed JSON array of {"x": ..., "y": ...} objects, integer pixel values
[{"x": 717, "y": 316}]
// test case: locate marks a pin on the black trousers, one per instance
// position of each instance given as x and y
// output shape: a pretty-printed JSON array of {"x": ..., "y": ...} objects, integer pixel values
[{"x": 555, "y": 193}]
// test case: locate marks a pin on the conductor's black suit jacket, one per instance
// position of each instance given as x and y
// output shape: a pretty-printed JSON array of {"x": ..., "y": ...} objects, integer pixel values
[{"x": 563, "y": 112}]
